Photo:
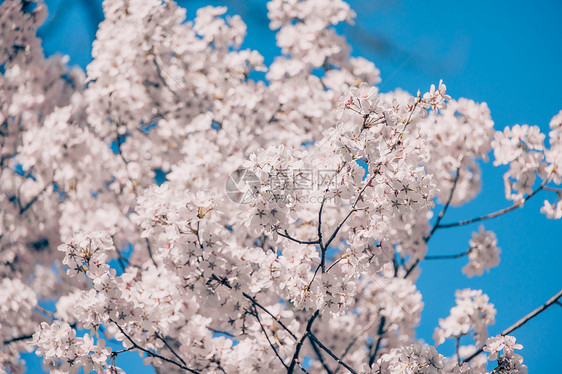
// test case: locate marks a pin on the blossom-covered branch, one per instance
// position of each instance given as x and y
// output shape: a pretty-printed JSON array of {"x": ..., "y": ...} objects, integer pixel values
[{"x": 173, "y": 202}]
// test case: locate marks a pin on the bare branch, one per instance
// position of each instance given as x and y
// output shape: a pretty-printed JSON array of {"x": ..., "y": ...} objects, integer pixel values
[
  {"x": 492, "y": 215},
  {"x": 286, "y": 235},
  {"x": 457, "y": 344},
  {"x": 409, "y": 271},
  {"x": 552, "y": 189},
  {"x": 18, "y": 339},
  {"x": 447, "y": 257},
  {"x": 149, "y": 250}
]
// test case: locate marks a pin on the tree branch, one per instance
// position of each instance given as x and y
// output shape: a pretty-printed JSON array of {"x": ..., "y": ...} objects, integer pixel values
[
  {"x": 18, "y": 339},
  {"x": 149, "y": 250},
  {"x": 300, "y": 342},
  {"x": 320, "y": 357},
  {"x": 25, "y": 207},
  {"x": 153, "y": 354},
  {"x": 328, "y": 351},
  {"x": 286, "y": 235},
  {"x": 256, "y": 314},
  {"x": 447, "y": 257},
  {"x": 553, "y": 300},
  {"x": 171, "y": 349},
  {"x": 322, "y": 246},
  {"x": 442, "y": 213},
  {"x": 333, "y": 236},
  {"x": 253, "y": 300},
  {"x": 348, "y": 348},
  {"x": 380, "y": 334},
  {"x": 492, "y": 215}
]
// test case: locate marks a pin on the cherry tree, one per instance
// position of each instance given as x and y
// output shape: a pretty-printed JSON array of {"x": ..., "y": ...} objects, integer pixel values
[{"x": 295, "y": 215}]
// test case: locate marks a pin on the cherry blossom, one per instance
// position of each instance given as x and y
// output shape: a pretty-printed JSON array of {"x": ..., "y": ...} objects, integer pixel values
[
  {"x": 343, "y": 187},
  {"x": 483, "y": 253},
  {"x": 508, "y": 361}
]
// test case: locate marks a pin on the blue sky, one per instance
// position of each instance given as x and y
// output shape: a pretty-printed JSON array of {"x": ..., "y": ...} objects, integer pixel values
[{"x": 507, "y": 54}]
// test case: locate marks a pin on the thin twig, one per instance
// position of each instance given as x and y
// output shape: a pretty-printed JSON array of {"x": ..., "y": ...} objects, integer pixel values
[
  {"x": 448, "y": 257},
  {"x": 491, "y": 215},
  {"x": 153, "y": 354},
  {"x": 253, "y": 300},
  {"x": 149, "y": 250},
  {"x": 45, "y": 311},
  {"x": 221, "y": 332},
  {"x": 115, "y": 353},
  {"x": 409, "y": 271},
  {"x": 286, "y": 235},
  {"x": 256, "y": 314},
  {"x": 553, "y": 300},
  {"x": 552, "y": 189},
  {"x": 333, "y": 236}
]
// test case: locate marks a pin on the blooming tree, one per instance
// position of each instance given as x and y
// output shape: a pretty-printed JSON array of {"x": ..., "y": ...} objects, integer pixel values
[{"x": 295, "y": 214}]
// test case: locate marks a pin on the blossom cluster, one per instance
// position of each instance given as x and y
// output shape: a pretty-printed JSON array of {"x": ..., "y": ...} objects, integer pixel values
[
  {"x": 58, "y": 342},
  {"x": 508, "y": 361},
  {"x": 121, "y": 198},
  {"x": 483, "y": 253},
  {"x": 473, "y": 312}
]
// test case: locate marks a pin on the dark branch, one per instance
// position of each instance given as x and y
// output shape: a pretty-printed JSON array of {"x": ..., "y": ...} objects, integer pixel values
[
  {"x": 24, "y": 208},
  {"x": 153, "y": 354},
  {"x": 171, "y": 349},
  {"x": 448, "y": 257},
  {"x": 18, "y": 339},
  {"x": 256, "y": 314},
  {"x": 442, "y": 213},
  {"x": 328, "y": 351},
  {"x": 553, "y": 300},
  {"x": 377, "y": 345},
  {"x": 300, "y": 342},
  {"x": 253, "y": 300},
  {"x": 286, "y": 235},
  {"x": 492, "y": 215},
  {"x": 320, "y": 357},
  {"x": 322, "y": 246}
]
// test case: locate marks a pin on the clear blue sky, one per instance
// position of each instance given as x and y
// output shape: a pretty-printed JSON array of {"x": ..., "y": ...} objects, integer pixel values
[{"x": 508, "y": 54}]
